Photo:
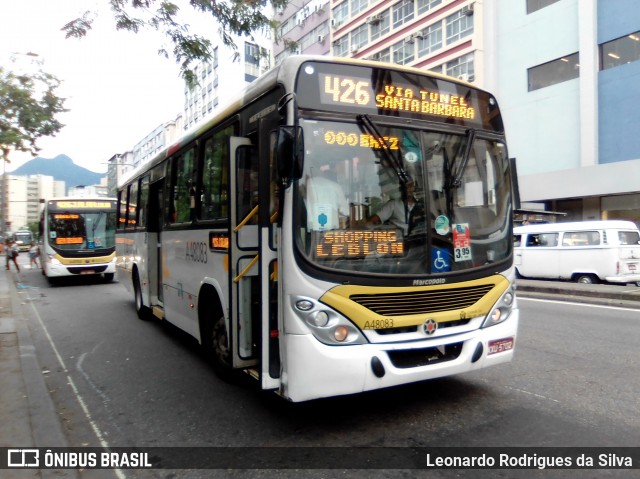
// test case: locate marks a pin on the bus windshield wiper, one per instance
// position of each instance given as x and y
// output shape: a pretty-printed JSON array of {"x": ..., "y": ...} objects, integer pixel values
[
  {"x": 395, "y": 162},
  {"x": 455, "y": 180}
]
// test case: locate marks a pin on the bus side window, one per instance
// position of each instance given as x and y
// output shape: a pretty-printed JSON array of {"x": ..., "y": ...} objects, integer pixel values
[
  {"x": 215, "y": 176},
  {"x": 144, "y": 199},
  {"x": 183, "y": 188},
  {"x": 517, "y": 240}
]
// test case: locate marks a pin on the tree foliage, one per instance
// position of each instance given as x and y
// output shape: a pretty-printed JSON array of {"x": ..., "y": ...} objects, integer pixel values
[
  {"x": 28, "y": 108},
  {"x": 233, "y": 17}
]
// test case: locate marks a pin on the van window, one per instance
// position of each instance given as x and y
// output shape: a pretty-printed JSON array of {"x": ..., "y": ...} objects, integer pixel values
[
  {"x": 629, "y": 237},
  {"x": 581, "y": 238},
  {"x": 542, "y": 239},
  {"x": 517, "y": 240}
]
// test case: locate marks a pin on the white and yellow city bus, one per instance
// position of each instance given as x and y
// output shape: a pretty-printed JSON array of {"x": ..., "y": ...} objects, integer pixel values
[
  {"x": 77, "y": 237},
  {"x": 266, "y": 233}
]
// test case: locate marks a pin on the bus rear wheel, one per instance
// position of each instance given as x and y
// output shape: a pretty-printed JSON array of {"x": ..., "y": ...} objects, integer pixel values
[{"x": 141, "y": 310}]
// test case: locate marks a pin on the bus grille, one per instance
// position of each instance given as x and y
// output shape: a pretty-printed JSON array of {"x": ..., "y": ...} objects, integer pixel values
[{"x": 421, "y": 302}]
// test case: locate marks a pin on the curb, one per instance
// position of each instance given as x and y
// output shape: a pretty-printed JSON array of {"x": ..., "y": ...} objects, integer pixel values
[{"x": 599, "y": 294}]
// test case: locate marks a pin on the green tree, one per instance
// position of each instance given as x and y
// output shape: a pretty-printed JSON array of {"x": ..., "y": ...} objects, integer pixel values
[
  {"x": 233, "y": 17},
  {"x": 28, "y": 109}
]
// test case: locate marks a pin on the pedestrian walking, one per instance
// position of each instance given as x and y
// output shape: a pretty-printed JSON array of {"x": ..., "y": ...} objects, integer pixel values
[
  {"x": 34, "y": 252},
  {"x": 12, "y": 254}
]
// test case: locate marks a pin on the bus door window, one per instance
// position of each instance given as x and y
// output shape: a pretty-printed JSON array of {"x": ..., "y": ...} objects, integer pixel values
[
  {"x": 247, "y": 184},
  {"x": 183, "y": 204}
]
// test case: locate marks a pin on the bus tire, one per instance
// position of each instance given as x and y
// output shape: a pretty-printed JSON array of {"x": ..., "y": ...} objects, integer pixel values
[
  {"x": 215, "y": 341},
  {"x": 586, "y": 278},
  {"x": 141, "y": 310},
  {"x": 108, "y": 277}
]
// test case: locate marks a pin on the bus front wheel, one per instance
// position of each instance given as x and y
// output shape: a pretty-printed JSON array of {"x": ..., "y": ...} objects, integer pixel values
[{"x": 215, "y": 343}]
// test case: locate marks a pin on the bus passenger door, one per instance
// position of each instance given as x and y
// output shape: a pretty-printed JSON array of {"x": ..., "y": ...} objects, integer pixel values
[
  {"x": 154, "y": 241},
  {"x": 245, "y": 268}
]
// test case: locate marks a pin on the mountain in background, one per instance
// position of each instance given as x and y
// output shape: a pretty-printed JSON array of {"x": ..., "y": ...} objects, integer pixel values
[{"x": 62, "y": 168}]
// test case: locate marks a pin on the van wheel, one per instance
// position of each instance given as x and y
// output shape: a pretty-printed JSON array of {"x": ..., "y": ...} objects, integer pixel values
[{"x": 586, "y": 279}]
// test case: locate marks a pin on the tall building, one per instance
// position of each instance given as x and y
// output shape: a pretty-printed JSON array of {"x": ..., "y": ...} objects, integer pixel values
[
  {"x": 226, "y": 74},
  {"x": 443, "y": 36},
  {"x": 304, "y": 27},
  {"x": 566, "y": 74},
  {"x": 22, "y": 199}
]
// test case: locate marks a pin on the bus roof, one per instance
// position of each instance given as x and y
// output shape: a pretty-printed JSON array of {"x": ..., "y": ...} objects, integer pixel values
[{"x": 282, "y": 74}]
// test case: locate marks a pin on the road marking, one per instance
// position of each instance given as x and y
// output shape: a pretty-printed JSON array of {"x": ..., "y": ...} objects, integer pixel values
[
  {"x": 540, "y": 396},
  {"x": 522, "y": 298},
  {"x": 83, "y": 404}
]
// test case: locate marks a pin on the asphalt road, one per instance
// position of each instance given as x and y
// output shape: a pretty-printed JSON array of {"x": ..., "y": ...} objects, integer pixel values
[{"x": 119, "y": 381}]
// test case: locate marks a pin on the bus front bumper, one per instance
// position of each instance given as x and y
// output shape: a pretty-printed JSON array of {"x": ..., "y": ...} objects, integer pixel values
[
  {"x": 316, "y": 370},
  {"x": 53, "y": 270}
]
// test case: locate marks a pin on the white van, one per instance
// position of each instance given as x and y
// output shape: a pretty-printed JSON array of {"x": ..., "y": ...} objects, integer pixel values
[{"x": 586, "y": 251}]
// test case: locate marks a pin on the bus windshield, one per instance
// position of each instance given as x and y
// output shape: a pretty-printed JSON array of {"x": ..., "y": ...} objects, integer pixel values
[
  {"x": 391, "y": 199},
  {"x": 78, "y": 230}
]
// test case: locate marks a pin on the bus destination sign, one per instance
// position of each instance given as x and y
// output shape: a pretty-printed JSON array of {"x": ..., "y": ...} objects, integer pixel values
[
  {"x": 371, "y": 90},
  {"x": 345, "y": 244},
  {"x": 390, "y": 97}
]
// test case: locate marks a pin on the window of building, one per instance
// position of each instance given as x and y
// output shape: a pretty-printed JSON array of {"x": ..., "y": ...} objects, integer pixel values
[
  {"x": 535, "y": 5},
  {"x": 556, "y": 71},
  {"x": 360, "y": 36},
  {"x": 358, "y": 5},
  {"x": 430, "y": 40},
  {"x": 459, "y": 25},
  {"x": 403, "y": 52},
  {"x": 251, "y": 53},
  {"x": 402, "y": 12},
  {"x": 620, "y": 51},
  {"x": 382, "y": 56},
  {"x": 381, "y": 25},
  {"x": 462, "y": 67},
  {"x": 426, "y": 5},
  {"x": 341, "y": 46},
  {"x": 340, "y": 14}
]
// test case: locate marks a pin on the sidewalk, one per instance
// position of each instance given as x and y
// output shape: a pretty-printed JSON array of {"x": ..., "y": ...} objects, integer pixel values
[{"x": 27, "y": 412}]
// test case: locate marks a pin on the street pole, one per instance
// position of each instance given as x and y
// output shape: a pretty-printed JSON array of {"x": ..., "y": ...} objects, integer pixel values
[{"x": 5, "y": 160}]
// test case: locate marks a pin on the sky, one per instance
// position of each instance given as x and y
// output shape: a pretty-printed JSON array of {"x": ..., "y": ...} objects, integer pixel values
[{"x": 118, "y": 88}]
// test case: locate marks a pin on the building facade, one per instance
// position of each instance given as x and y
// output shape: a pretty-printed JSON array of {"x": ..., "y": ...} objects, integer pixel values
[
  {"x": 566, "y": 76},
  {"x": 22, "y": 201},
  {"x": 304, "y": 28},
  {"x": 444, "y": 36}
]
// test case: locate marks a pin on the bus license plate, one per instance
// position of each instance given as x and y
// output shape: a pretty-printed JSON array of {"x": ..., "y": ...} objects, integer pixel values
[
  {"x": 87, "y": 271},
  {"x": 500, "y": 345}
]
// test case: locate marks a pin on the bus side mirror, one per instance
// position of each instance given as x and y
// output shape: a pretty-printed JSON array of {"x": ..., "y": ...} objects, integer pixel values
[{"x": 289, "y": 153}]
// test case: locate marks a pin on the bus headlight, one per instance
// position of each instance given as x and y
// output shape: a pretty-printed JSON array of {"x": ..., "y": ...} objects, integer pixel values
[
  {"x": 327, "y": 325},
  {"x": 54, "y": 260},
  {"x": 501, "y": 310}
]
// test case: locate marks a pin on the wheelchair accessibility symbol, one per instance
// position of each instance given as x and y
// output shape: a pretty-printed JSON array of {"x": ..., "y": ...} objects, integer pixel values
[{"x": 439, "y": 260}]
